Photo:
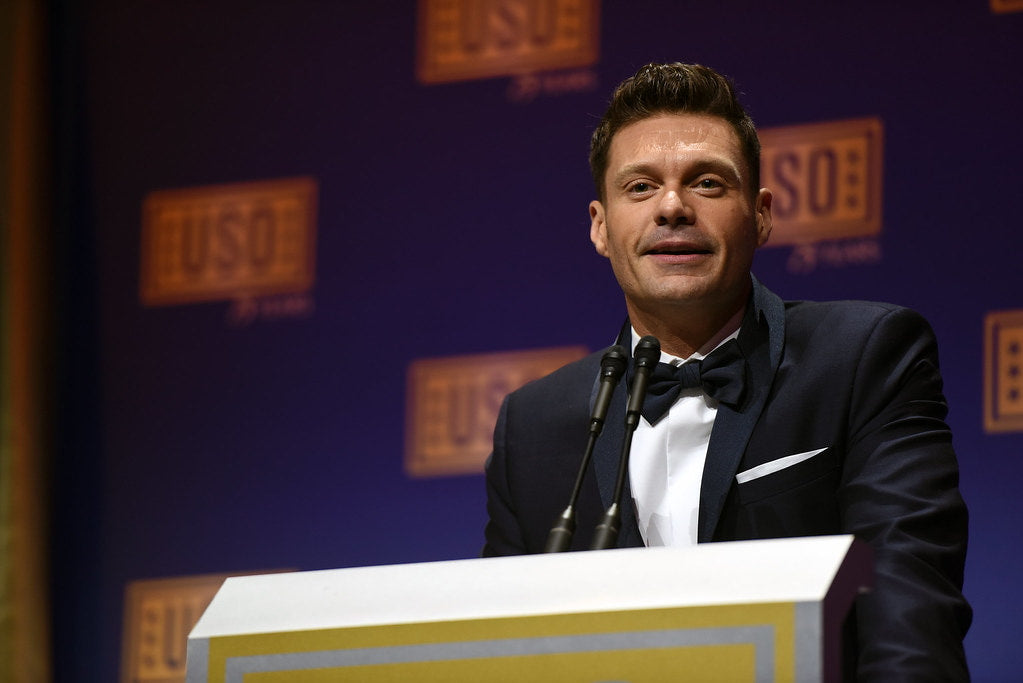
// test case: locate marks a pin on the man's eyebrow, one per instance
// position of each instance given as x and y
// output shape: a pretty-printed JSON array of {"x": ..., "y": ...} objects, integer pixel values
[{"x": 637, "y": 168}]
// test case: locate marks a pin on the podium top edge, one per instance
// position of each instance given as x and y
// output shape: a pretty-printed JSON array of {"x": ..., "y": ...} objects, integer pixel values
[{"x": 796, "y": 570}]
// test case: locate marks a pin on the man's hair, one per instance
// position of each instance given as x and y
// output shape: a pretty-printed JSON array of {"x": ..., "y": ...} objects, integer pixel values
[{"x": 673, "y": 89}]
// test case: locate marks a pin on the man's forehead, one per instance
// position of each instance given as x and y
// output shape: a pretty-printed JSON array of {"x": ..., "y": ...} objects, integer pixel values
[
  {"x": 671, "y": 131},
  {"x": 675, "y": 138}
]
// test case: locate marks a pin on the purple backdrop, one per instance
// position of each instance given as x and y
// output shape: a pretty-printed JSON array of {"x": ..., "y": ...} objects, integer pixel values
[{"x": 452, "y": 220}]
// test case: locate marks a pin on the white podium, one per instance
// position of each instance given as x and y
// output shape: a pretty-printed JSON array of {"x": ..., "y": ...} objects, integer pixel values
[{"x": 745, "y": 611}]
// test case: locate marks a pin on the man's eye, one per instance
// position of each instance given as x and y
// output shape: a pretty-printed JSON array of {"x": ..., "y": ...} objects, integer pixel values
[
  {"x": 708, "y": 184},
  {"x": 639, "y": 187}
]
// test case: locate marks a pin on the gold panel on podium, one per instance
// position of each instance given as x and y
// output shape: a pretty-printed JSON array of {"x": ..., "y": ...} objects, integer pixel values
[{"x": 723, "y": 643}]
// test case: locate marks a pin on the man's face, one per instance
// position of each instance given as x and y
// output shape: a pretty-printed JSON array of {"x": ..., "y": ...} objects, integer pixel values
[{"x": 679, "y": 220}]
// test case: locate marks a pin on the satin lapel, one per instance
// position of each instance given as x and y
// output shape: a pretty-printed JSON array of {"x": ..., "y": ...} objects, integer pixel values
[{"x": 762, "y": 340}]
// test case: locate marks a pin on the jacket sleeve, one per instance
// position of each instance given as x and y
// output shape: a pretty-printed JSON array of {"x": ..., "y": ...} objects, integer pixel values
[
  {"x": 900, "y": 493},
  {"x": 503, "y": 535},
  {"x": 541, "y": 432}
]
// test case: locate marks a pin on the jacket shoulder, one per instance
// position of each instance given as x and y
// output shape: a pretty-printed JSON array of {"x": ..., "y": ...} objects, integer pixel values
[
  {"x": 577, "y": 375},
  {"x": 852, "y": 316}
]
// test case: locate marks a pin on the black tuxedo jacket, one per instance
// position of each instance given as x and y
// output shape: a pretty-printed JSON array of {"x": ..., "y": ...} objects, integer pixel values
[{"x": 859, "y": 380}]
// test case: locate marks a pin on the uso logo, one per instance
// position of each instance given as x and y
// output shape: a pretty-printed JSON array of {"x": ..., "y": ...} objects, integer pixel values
[
  {"x": 1006, "y": 6},
  {"x": 158, "y": 614},
  {"x": 453, "y": 405},
  {"x": 826, "y": 179},
  {"x": 471, "y": 39},
  {"x": 228, "y": 241},
  {"x": 1003, "y": 371}
]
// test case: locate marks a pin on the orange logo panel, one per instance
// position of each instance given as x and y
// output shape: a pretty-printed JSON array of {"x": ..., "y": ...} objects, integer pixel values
[
  {"x": 826, "y": 180},
  {"x": 158, "y": 616},
  {"x": 228, "y": 241},
  {"x": 1003, "y": 371},
  {"x": 469, "y": 39},
  {"x": 1006, "y": 6},
  {"x": 453, "y": 405}
]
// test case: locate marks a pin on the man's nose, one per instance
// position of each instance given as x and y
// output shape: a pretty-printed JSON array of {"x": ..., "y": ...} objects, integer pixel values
[{"x": 673, "y": 210}]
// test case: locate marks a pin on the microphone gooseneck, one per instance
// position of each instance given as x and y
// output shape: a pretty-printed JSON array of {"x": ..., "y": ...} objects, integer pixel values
[
  {"x": 612, "y": 367},
  {"x": 645, "y": 358}
]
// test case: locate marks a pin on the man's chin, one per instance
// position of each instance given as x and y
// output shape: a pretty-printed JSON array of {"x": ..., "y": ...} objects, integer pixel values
[{"x": 695, "y": 295}]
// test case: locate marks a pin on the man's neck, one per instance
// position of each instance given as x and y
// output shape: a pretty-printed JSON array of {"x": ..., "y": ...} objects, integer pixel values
[{"x": 684, "y": 334}]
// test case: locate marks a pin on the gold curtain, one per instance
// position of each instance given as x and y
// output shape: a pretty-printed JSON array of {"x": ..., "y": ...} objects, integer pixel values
[{"x": 24, "y": 360}]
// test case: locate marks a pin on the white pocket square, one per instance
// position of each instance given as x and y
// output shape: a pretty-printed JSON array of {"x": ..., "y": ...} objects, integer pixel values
[{"x": 775, "y": 465}]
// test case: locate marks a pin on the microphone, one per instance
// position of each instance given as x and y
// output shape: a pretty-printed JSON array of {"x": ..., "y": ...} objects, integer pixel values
[
  {"x": 645, "y": 357},
  {"x": 612, "y": 366}
]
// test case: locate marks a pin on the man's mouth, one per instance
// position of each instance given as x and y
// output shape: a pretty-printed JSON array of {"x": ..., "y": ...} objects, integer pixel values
[{"x": 678, "y": 250}]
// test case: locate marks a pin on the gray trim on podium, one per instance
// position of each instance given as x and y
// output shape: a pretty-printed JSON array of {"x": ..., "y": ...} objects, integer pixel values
[{"x": 761, "y": 637}]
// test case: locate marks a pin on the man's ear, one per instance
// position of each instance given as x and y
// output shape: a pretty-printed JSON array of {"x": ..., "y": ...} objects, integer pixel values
[
  {"x": 598, "y": 228},
  {"x": 763, "y": 212}
]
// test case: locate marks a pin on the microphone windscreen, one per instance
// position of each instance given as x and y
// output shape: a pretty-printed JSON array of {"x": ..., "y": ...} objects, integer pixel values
[
  {"x": 613, "y": 363},
  {"x": 648, "y": 352}
]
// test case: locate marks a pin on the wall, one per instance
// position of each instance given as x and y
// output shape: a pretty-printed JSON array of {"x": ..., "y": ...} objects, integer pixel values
[{"x": 452, "y": 220}]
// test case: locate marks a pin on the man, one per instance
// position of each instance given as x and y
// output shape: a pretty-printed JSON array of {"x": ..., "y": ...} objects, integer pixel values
[{"x": 838, "y": 427}]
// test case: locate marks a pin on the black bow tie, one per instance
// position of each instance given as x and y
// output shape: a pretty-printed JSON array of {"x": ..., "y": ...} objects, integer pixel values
[{"x": 721, "y": 375}]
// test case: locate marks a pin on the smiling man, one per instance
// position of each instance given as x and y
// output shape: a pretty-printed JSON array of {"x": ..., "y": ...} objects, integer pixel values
[
  {"x": 833, "y": 422},
  {"x": 679, "y": 220}
]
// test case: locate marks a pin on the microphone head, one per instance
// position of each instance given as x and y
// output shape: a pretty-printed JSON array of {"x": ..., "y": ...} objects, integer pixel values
[
  {"x": 613, "y": 363},
  {"x": 647, "y": 353}
]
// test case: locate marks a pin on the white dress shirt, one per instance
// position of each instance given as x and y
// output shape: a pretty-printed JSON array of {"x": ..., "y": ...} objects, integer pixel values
[{"x": 666, "y": 461}]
